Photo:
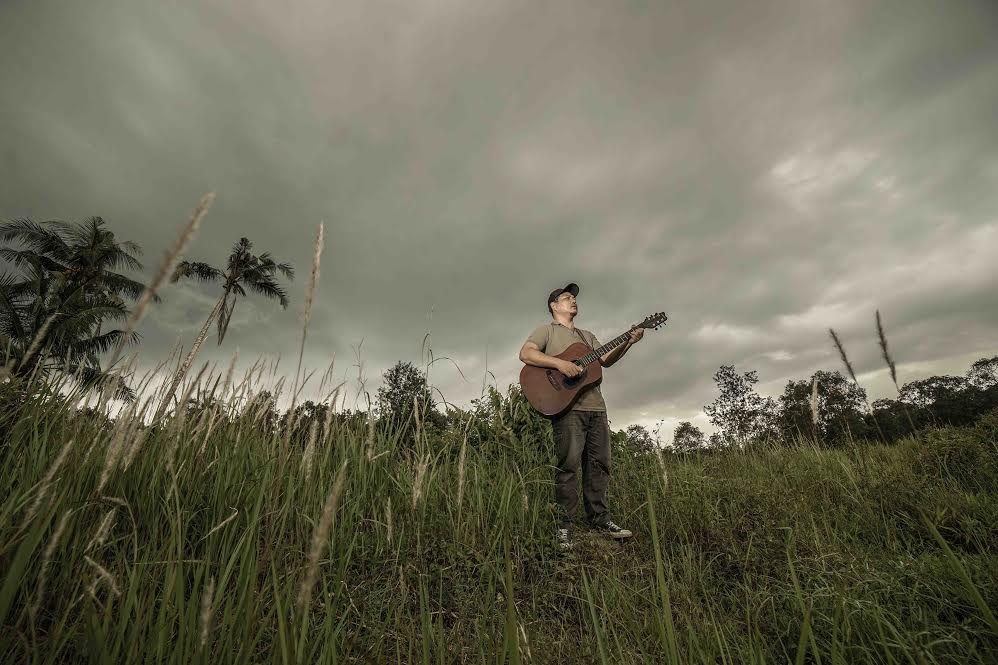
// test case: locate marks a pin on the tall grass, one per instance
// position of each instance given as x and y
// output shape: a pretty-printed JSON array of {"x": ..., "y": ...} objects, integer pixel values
[{"x": 433, "y": 550}]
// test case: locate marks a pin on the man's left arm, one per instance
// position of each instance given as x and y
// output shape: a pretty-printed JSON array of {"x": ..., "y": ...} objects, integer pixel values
[{"x": 611, "y": 357}]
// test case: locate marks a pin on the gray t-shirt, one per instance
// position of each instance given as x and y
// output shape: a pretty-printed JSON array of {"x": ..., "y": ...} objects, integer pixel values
[{"x": 553, "y": 338}]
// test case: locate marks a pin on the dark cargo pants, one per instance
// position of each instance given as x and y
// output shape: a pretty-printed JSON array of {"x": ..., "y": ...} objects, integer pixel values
[{"x": 581, "y": 439}]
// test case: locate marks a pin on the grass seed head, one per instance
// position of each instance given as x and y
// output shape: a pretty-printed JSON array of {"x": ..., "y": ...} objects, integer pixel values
[
  {"x": 102, "y": 573},
  {"x": 163, "y": 272},
  {"x": 320, "y": 537},
  {"x": 417, "y": 483},
  {"x": 207, "y": 600},
  {"x": 46, "y": 483},
  {"x": 46, "y": 559},
  {"x": 814, "y": 400},
  {"x": 100, "y": 537},
  {"x": 842, "y": 354},
  {"x": 886, "y": 353}
]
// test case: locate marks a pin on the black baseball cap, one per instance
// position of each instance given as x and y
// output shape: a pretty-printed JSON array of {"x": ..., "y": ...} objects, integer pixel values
[{"x": 572, "y": 288}]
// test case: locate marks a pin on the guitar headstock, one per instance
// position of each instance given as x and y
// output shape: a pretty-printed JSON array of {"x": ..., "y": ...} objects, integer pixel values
[{"x": 653, "y": 321}]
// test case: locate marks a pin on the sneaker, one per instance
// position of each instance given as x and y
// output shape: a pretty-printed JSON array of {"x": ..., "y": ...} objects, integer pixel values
[
  {"x": 564, "y": 539},
  {"x": 613, "y": 530}
]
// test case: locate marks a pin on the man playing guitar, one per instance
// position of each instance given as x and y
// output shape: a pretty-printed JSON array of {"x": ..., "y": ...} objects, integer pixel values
[{"x": 581, "y": 433}]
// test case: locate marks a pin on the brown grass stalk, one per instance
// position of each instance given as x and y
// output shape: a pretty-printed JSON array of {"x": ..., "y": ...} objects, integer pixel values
[{"x": 163, "y": 272}]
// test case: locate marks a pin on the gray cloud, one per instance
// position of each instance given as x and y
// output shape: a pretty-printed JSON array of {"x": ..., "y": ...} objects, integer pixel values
[{"x": 760, "y": 172}]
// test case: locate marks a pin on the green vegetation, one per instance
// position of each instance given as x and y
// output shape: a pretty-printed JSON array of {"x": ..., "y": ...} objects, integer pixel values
[
  {"x": 196, "y": 541},
  {"x": 53, "y": 311}
]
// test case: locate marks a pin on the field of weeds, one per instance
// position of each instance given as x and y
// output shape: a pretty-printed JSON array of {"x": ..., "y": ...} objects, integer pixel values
[{"x": 209, "y": 538}]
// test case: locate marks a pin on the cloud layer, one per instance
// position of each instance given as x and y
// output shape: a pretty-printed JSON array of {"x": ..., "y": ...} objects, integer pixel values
[{"x": 759, "y": 172}]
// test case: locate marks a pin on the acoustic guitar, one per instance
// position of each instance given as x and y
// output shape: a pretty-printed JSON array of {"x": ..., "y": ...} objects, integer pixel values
[{"x": 551, "y": 392}]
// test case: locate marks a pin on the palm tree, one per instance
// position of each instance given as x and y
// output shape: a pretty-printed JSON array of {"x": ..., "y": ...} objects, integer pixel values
[
  {"x": 244, "y": 272},
  {"x": 82, "y": 257},
  {"x": 51, "y": 315}
]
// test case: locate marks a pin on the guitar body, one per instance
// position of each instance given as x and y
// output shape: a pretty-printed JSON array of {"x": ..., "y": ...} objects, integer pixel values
[{"x": 551, "y": 392}]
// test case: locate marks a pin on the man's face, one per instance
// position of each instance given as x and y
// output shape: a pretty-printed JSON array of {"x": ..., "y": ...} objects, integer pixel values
[{"x": 566, "y": 304}]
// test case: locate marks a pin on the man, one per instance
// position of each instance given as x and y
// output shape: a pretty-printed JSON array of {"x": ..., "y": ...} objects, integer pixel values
[{"x": 582, "y": 433}]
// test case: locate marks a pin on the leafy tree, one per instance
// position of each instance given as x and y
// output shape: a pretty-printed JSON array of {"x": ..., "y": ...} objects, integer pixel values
[
  {"x": 687, "y": 438},
  {"x": 768, "y": 421},
  {"x": 892, "y": 417},
  {"x": 983, "y": 374},
  {"x": 404, "y": 386},
  {"x": 53, "y": 312},
  {"x": 941, "y": 400},
  {"x": 639, "y": 439},
  {"x": 300, "y": 421},
  {"x": 926, "y": 392},
  {"x": 716, "y": 440},
  {"x": 737, "y": 410},
  {"x": 261, "y": 409},
  {"x": 840, "y": 408},
  {"x": 244, "y": 272}
]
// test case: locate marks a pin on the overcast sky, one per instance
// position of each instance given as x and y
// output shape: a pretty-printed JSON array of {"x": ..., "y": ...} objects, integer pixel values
[{"x": 760, "y": 171}]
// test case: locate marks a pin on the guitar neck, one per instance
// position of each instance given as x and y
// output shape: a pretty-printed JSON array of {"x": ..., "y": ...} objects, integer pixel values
[{"x": 609, "y": 346}]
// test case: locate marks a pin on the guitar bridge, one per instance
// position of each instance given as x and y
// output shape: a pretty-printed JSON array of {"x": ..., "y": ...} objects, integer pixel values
[{"x": 553, "y": 379}]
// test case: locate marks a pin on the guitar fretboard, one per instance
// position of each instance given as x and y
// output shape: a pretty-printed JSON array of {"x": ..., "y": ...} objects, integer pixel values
[{"x": 609, "y": 346}]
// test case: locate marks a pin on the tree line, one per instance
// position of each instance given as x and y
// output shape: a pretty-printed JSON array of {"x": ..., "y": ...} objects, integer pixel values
[{"x": 831, "y": 410}]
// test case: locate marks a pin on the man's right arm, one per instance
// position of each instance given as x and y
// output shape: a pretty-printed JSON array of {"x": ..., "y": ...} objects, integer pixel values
[{"x": 531, "y": 354}]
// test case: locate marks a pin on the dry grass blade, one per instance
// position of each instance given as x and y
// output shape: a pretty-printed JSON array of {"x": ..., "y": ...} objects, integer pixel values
[
  {"x": 370, "y": 439},
  {"x": 46, "y": 559},
  {"x": 320, "y": 537},
  {"x": 102, "y": 573},
  {"x": 460, "y": 472},
  {"x": 137, "y": 439},
  {"x": 313, "y": 282},
  {"x": 163, "y": 272},
  {"x": 887, "y": 354},
  {"x": 306, "y": 458},
  {"x": 842, "y": 354},
  {"x": 46, "y": 483},
  {"x": 100, "y": 537},
  {"x": 417, "y": 483},
  {"x": 388, "y": 519},
  {"x": 218, "y": 526},
  {"x": 229, "y": 374},
  {"x": 36, "y": 342},
  {"x": 814, "y": 401}
]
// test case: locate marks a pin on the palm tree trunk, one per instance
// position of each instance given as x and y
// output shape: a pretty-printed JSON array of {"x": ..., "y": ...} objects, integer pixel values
[{"x": 189, "y": 360}]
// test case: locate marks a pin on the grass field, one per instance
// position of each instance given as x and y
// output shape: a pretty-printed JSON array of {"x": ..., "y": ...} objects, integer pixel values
[{"x": 208, "y": 540}]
